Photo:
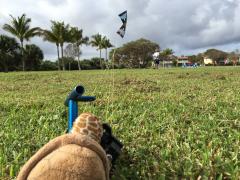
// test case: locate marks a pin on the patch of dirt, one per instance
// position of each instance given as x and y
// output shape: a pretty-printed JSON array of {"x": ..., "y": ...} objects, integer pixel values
[
  {"x": 145, "y": 85},
  {"x": 220, "y": 77}
]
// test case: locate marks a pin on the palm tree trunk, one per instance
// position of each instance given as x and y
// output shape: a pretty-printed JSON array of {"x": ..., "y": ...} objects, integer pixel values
[
  {"x": 106, "y": 54},
  {"x": 106, "y": 59},
  {"x": 5, "y": 64},
  {"x": 113, "y": 58},
  {"x": 62, "y": 58},
  {"x": 59, "y": 67},
  {"x": 23, "y": 62},
  {"x": 101, "y": 58},
  {"x": 79, "y": 67}
]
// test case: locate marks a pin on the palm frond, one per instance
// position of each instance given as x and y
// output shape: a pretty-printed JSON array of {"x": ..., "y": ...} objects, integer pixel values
[
  {"x": 32, "y": 32},
  {"x": 96, "y": 41},
  {"x": 10, "y": 29},
  {"x": 50, "y": 36},
  {"x": 20, "y": 27}
]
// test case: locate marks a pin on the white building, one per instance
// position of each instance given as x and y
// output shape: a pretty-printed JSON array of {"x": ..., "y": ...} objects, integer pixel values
[{"x": 207, "y": 61}]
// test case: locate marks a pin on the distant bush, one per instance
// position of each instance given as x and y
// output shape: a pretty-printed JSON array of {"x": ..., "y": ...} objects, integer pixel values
[
  {"x": 48, "y": 66},
  {"x": 94, "y": 63}
]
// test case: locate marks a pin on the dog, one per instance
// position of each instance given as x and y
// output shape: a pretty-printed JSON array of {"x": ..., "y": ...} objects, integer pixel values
[{"x": 77, "y": 155}]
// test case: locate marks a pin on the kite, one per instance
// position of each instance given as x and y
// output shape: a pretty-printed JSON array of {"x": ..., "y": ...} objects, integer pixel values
[{"x": 122, "y": 29}]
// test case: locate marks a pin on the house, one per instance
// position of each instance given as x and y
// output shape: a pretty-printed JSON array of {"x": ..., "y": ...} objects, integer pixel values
[
  {"x": 208, "y": 61},
  {"x": 182, "y": 60},
  {"x": 169, "y": 61}
]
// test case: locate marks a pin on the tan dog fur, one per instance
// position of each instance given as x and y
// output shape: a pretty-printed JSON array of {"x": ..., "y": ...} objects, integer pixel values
[{"x": 72, "y": 156}]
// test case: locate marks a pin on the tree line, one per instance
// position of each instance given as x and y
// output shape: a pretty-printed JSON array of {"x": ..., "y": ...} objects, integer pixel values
[
  {"x": 16, "y": 55},
  {"x": 135, "y": 54}
]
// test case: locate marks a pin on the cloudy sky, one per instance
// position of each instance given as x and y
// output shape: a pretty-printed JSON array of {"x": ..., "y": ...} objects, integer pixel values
[{"x": 186, "y": 26}]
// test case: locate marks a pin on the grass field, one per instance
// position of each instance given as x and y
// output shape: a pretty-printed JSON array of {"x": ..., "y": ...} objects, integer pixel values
[{"x": 174, "y": 123}]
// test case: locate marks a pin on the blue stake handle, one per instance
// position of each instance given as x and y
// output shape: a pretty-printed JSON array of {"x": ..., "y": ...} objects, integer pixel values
[
  {"x": 72, "y": 113},
  {"x": 72, "y": 103}
]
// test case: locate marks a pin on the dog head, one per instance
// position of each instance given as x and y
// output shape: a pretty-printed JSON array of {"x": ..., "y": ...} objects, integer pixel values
[{"x": 89, "y": 125}]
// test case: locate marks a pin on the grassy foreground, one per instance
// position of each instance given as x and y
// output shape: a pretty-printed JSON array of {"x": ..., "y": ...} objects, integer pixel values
[{"x": 174, "y": 123}]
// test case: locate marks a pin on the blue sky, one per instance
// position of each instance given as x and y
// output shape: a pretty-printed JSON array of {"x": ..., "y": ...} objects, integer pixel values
[{"x": 188, "y": 27}]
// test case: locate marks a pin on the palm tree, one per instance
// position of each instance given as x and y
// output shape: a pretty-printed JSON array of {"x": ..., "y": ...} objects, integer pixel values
[
  {"x": 97, "y": 41},
  {"x": 20, "y": 27},
  {"x": 53, "y": 36},
  {"x": 106, "y": 44},
  {"x": 78, "y": 39},
  {"x": 65, "y": 36}
]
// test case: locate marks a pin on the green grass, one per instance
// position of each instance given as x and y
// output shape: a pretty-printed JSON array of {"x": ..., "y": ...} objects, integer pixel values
[{"x": 174, "y": 123}]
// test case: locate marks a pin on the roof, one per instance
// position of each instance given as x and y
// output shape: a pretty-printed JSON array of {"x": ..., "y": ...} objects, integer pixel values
[{"x": 183, "y": 58}]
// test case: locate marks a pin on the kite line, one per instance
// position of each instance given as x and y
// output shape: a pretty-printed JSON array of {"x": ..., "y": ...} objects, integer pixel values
[{"x": 121, "y": 32}]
